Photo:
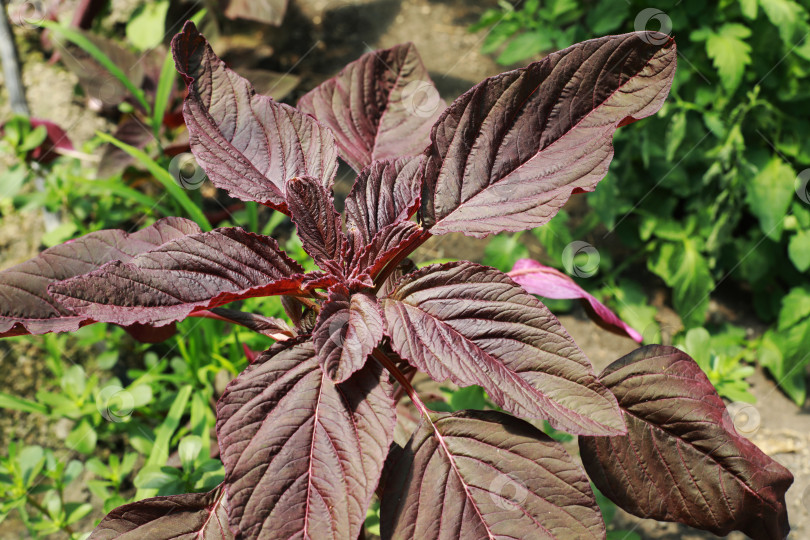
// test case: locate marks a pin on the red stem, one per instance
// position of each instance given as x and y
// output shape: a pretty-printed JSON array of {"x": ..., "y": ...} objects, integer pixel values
[
  {"x": 388, "y": 364},
  {"x": 409, "y": 248}
]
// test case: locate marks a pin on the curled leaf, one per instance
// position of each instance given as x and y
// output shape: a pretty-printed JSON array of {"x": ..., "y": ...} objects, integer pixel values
[
  {"x": 551, "y": 283},
  {"x": 682, "y": 459}
]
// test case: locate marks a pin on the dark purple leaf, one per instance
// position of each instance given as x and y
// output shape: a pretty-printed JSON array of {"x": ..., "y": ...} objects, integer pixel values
[
  {"x": 302, "y": 455},
  {"x": 192, "y": 273},
  {"x": 28, "y": 308},
  {"x": 248, "y": 144},
  {"x": 264, "y": 11},
  {"x": 551, "y": 283},
  {"x": 385, "y": 245},
  {"x": 317, "y": 222},
  {"x": 507, "y": 154},
  {"x": 473, "y": 325},
  {"x": 384, "y": 193},
  {"x": 380, "y": 106},
  {"x": 190, "y": 516},
  {"x": 347, "y": 330},
  {"x": 113, "y": 159},
  {"x": 476, "y": 474},
  {"x": 682, "y": 460}
]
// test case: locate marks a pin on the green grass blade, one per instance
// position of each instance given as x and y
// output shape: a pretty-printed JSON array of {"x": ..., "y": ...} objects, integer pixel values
[
  {"x": 168, "y": 76},
  {"x": 98, "y": 55},
  {"x": 8, "y": 401},
  {"x": 114, "y": 187},
  {"x": 166, "y": 179}
]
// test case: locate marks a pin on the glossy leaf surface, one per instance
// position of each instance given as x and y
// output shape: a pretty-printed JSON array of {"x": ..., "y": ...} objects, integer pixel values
[
  {"x": 380, "y": 106},
  {"x": 507, "y": 154},
  {"x": 192, "y": 273},
  {"x": 473, "y": 325},
  {"x": 682, "y": 460},
  {"x": 475, "y": 474},
  {"x": 347, "y": 330},
  {"x": 302, "y": 455},
  {"x": 248, "y": 144},
  {"x": 190, "y": 516},
  {"x": 26, "y": 305}
]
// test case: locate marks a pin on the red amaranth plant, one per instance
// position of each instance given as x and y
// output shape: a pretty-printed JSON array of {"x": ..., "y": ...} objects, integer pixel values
[{"x": 306, "y": 431}]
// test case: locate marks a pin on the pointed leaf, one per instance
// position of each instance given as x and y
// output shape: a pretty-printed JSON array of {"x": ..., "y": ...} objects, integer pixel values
[
  {"x": 384, "y": 247},
  {"x": 192, "y": 273},
  {"x": 380, "y": 106},
  {"x": 248, "y": 144},
  {"x": 384, "y": 193},
  {"x": 506, "y": 155},
  {"x": 474, "y": 325},
  {"x": 190, "y": 516},
  {"x": 302, "y": 455},
  {"x": 347, "y": 330},
  {"x": 484, "y": 474},
  {"x": 317, "y": 222},
  {"x": 26, "y": 305},
  {"x": 551, "y": 283},
  {"x": 682, "y": 460}
]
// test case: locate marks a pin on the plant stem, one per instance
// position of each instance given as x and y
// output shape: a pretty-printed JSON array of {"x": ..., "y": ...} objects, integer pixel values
[
  {"x": 388, "y": 364},
  {"x": 11, "y": 65},
  {"x": 406, "y": 250},
  {"x": 33, "y": 502}
]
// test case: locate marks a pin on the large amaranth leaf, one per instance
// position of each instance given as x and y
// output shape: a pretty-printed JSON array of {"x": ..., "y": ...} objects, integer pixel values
[
  {"x": 317, "y": 222},
  {"x": 476, "y": 474},
  {"x": 26, "y": 305},
  {"x": 192, "y": 273},
  {"x": 380, "y": 106},
  {"x": 551, "y": 283},
  {"x": 348, "y": 328},
  {"x": 248, "y": 144},
  {"x": 190, "y": 516},
  {"x": 508, "y": 153},
  {"x": 384, "y": 193},
  {"x": 302, "y": 455},
  {"x": 474, "y": 325},
  {"x": 682, "y": 460}
]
